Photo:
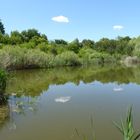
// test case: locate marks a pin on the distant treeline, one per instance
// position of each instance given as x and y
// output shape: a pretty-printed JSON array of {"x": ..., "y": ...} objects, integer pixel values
[{"x": 31, "y": 49}]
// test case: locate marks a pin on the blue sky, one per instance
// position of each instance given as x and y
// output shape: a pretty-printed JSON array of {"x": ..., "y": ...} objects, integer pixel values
[{"x": 70, "y": 19}]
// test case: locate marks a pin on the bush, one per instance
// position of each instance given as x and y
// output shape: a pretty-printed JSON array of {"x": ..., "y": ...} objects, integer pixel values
[
  {"x": 90, "y": 56},
  {"x": 12, "y": 58},
  {"x": 29, "y": 45},
  {"x": 43, "y": 47},
  {"x": 37, "y": 59},
  {"x": 67, "y": 59},
  {"x": 19, "y": 58},
  {"x": 2, "y": 81}
]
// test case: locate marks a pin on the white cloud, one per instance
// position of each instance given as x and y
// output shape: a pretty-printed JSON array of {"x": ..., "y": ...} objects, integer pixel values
[
  {"x": 118, "y": 89},
  {"x": 63, "y": 99},
  {"x": 118, "y": 27},
  {"x": 60, "y": 19}
]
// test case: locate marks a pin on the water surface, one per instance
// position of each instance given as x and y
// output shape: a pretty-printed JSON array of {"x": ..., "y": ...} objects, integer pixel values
[{"x": 50, "y": 104}]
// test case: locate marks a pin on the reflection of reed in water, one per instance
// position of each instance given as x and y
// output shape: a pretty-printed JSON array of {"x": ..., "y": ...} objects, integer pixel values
[
  {"x": 4, "y": 114},
  {"x": 4, "y": 109}
]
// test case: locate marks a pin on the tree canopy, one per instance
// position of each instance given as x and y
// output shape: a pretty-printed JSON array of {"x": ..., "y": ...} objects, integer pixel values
[{"x": 2, "y": 29}]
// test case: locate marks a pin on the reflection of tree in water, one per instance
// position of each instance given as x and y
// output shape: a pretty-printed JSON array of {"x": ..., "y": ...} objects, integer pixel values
[
  {"x": 4, "y": 110},
  {"x": 33, "y": 82},
  {"x": 12, "y": 107},
  {"x": 20, "y": 106}
]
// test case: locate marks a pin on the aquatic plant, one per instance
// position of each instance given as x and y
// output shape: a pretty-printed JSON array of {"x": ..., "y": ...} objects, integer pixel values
[
  {"x": 127, "y": 128},
  {"x": 85, "y": 137}
]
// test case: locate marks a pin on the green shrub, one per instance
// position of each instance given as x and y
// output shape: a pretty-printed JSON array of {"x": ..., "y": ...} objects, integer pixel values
[
  {"x": 90, "y": 56},
  {"x": 43, "y": 47},
  {"x": 12, "y": 57},
  {"x": 67, "y": 59},
  {"x": 19, "y": 58},
  {"x": 37, "y": 59},
  {"x": 28, "y": 45},
  {"x": 2, "y": 81}
]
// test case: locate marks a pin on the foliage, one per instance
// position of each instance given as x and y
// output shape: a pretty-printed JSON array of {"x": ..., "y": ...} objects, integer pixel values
[
  {"x": 67, "y": 59},
  {"x": 3, "y": 78},
  {"x": 120, "y": 45},
  {"x": 127, "y": 128},
  {"x": 86, "y": 43},
  {"x": 2, "y": 29},
  {"x": 30, "y": 35},
  {"x": 74, "y": 46},
  {"x": 43, "y": 47},
  {"x": 94, "y": 57},
  {"x": 135, "y": 42},
  {"x": 18, "y": 58},
  {"x": 61, "y": 41},
  {"x": 86, "y": 51}
]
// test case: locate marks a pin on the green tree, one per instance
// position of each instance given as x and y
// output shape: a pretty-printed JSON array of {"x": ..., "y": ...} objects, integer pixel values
[
  {"x": 135, "y": 43},
  {"x": 123, "y": 46},
  {"x": 74, "y": 46},
  {"x": 16, "y": 38},
  {"x": 86, "y": 43},
  {"x": 61, "y": 41},
  {"x": 2, "y": 29},
  {"x": 4, "y": 39},
  {"x": 29, "y": 34},
  {"x": 106, "y": 45}
]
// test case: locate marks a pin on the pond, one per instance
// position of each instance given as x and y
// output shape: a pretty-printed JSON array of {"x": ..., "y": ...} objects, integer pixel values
[{"x": 50, "y": 104}]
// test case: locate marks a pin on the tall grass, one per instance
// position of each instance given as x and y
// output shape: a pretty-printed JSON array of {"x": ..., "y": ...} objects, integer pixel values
[
  {"x": 127, "y": 127},
  {"x": 20, "y": 58},
  {"x": 85, "y": 137},
  {"x": 67, "y": 58}
]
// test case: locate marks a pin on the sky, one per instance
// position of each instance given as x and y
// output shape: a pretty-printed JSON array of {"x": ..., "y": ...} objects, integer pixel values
[{"x": 70, "y": 19}]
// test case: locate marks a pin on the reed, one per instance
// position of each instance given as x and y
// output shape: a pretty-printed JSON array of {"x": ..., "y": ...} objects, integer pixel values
[{"x": 127, "y": 128}]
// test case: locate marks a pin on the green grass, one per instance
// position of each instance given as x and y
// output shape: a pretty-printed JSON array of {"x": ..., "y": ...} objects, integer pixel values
[{"x": 127, "y": 128}]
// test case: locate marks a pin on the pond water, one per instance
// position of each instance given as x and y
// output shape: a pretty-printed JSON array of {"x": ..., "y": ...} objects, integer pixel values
[{"x": 51, "y": 104}]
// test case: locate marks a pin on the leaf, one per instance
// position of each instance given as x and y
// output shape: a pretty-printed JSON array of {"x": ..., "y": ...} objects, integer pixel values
[
  {"x": 137, "y": 137},
  {"x": 118, "y": 127},
  {"x": 77, "y": 132}
]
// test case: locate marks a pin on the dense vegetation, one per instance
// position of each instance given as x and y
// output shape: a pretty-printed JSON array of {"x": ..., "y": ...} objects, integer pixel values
[
  {"x": 2, "y": 81},
  {"x": 31, "y": 49}
]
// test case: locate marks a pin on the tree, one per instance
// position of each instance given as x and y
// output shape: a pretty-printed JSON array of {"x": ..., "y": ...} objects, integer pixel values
[
  {"x": 29, "y": 34},
  {"x": 16, "y": 38},
  {"x": 2, "y": 29},
  {"x": 102, "y": 44},
  {"x": 86, "y": 43},
  {"x": 4, "y": 39},
  {"x": 61, "y": 41},
  {"x": 126, "y": 38},
  {"x": 74, "y": 46},
  {"x": 106, "y": 45},
  {"x": 123, "y": 46}
]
